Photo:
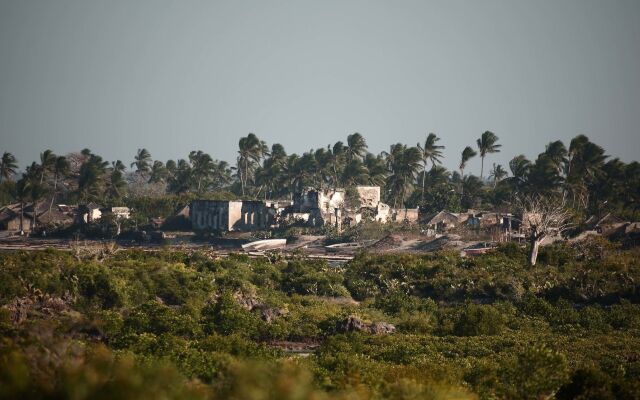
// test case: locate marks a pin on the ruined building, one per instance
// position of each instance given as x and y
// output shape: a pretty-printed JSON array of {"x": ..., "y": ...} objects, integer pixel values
[
  {"x": 310, "y": 207},
  {"x": 227, "y": 216}
]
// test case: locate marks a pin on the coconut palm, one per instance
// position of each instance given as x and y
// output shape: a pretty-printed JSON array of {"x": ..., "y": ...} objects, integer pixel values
[
  {"x": 472, "y": 188},
  {"x": 91, "y": 177},
  {"x": 487, "y": 143},
  {"x": 584, "y": 166},
  {"x": 142, "y": 161},
  {"x": 557, "y": 153},
  {"x": 544, "y": 176},
  {"x": 355, "y": 173},
  {"x": 47, "y": 160},
  {"x": 251, "y": 151},
  {"x": 497, "y": 173},
  {"x": 338, "y": 161},
  {"x": 220, "y": 174},
  {"x": 272, "y": 174},
  {"x": 60, "y": 169},
  {"x": 403, "y": 164},
  {"x": 377, "y": 169},
  {"x": 23, "y": 195},
  {"x": 356, "y": 146},
  {"x": 158, "y": 173},
  {"x": 519, "y": 166},
  {"x": 180, "y": 180},
  {"x": 467, "y": 154},
  {"x": 430, "y": 151},
  {"x": 116, "y": 184},
  {"x": 8, "y": 166}
]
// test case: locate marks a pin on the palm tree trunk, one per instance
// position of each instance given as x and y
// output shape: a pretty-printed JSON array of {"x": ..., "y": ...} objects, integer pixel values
[
  {"x": 481, "y": 167},
  {"x": 424, "y": 174},
  {"x": 53, "y": 196},
  {"x": 21, "y": 216}
]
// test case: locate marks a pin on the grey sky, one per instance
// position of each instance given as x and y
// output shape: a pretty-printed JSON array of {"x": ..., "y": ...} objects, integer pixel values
[{"x": 173, "y": 76}]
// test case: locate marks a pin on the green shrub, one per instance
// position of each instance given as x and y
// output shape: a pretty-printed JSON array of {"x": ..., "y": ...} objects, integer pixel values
[{"x": 479, "y": 320}]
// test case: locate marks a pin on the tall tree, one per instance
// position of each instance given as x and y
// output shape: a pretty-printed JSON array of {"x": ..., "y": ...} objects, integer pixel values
[
  {"x": 557, "y": 154},
  {"x": 158, "y": 172},
  {"x": 403, "y": 164},
  {"x": 272, "y": 176},
  {"x": 355, "y": 173},
  {"x": 250, "y": 151},
  {"x": 60, "y": 169},
  {"x": 487, "y": 144},
  {"x": 519, "y": 166},
  {"x": 377, "y": 169},
  {"x": 142, "y": 161},
  {"x": 23, "y": 195},
  {"x": 497, "y": 173},
  {"x": 47, "y": 160},
  {"x": 584, "y": 166},
  {"x": 91, "y": 178},
  {"x": 467, "y": 154},
  {"x": 116, "y": 184},
  {"x": 356, "y": 146},
  {"x": 338, "y": 161},
  {"x": 8, "y": 166},
  {"x": 430, "y": 151}
]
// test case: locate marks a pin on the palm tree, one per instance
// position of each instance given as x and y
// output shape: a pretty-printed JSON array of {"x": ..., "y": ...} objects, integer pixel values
[
  {"x": 91, "y": 177},
  {"x": 356, "y": 146},
  {"x": 60, "y": 169},
  {"x": 8, "y": 166},
  {"x": 544, "y": 176},
  {"x": 584, "y": 166},
  {"x": 323, "y": 170},
  {"x": 355, "y": 173},
  {"x": 487, "y": 143},
  {"x": 251, "y": 151},
  {"x": 519, "y": 166},
  {"x": 272, "y": 175},
  {"x": 142, "y": 161},
  {"x": 180, "y": 180},
  {"x": 158, "y": 172},
  {"x": 377, "y": 169},
  {"x": 47, "y": 160},
  {"x": 403, "y": 164},
  {"x": 430, "y": 152},
  {"x": 338, "y": 160},
  {"x": 467, "y": 154},
  {"x": 23, "y": 195},
  {"x": 497, "y": 173},
  {"x": 118, "y": 166},
  {"x": 472, "y": 188},
  {"x": 557, "y": 153},
  {"x": 116, "y": 184},
  {"x": 220, "y": 175}
]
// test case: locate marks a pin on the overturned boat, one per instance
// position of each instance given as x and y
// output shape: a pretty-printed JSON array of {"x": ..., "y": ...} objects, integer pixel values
[
  {"x": 264, "y": 245},
  {"x": 334, "y": 248}
]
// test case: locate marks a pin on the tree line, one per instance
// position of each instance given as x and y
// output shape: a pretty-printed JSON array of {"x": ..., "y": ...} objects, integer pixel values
[{"x": 411, "y": 176}]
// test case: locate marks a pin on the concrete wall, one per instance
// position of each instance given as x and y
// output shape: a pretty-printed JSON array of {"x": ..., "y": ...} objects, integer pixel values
[
  {"x": 369, "y": 196},
  {"x": 409, "y": 215},
  {"x": 226, "y": 216}
]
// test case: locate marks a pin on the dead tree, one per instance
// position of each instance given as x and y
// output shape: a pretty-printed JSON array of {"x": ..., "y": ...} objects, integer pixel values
[{"x": 542, "y": 217}]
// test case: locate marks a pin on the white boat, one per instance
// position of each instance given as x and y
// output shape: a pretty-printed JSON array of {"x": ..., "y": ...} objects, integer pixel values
[
  {"x": 343, "y": 247},
  {"x": 263, "y": 245}
]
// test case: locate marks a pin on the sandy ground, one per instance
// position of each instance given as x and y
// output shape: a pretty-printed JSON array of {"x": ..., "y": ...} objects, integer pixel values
[{"x": 311, "y": 246}]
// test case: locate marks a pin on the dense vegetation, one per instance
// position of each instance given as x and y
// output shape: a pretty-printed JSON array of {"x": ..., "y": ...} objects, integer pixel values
[
  {"x": 136, "y": 324},
  {"x": 411, "y": 176}
]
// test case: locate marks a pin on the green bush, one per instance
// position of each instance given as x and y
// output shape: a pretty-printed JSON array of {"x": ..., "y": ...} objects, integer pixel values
[{"x": 479, "y": 320}]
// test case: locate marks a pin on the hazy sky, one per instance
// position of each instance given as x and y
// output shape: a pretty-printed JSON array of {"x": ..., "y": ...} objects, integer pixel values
[{"x": 173, "y": 76}]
